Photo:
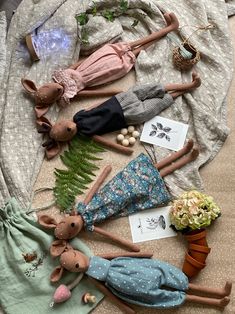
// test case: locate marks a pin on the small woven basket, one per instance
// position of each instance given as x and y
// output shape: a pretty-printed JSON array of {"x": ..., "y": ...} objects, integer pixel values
[{"x": 182, "y": 63}]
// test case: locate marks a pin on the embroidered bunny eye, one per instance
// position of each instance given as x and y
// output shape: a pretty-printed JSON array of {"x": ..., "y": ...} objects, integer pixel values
[
  {"x": 77, "y": 265},
  {"x": 72, "y": 224},
  {"x": 69, "y": 129}
]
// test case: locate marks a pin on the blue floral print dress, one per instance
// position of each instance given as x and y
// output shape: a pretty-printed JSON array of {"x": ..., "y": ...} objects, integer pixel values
[
  {"x": 142, "y": 281},
  {"x": 137, "y": 187}
]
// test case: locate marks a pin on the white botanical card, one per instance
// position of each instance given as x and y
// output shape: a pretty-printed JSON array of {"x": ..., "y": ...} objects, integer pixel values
[
  {"x": 164, "y": 133},
  {"x": 151, "y": 224}
]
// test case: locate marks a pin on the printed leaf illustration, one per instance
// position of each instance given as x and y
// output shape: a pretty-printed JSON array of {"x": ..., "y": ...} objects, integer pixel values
[
  {"x": 168, "y": 138},
  {"x": 161, "y": 135},
  {"x": 152, "y": 223},
  {"x": 79, "y": 159},
  {"x": 152, "y": 133},
  {"x": 159, "y": 125},
  {"x": 166, "y": 129},
  {"x": 162, "y": 222},
  {"x": 154, "y": 126}
]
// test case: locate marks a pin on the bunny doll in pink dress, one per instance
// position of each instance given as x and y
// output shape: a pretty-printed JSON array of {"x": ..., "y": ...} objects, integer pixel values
[{"x": 109, "y": 63}]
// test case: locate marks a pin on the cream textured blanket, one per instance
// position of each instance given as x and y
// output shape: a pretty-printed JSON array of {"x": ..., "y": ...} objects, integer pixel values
[
  {"x": 23, "y": 155},
  {"x": 204, "y": 109}
]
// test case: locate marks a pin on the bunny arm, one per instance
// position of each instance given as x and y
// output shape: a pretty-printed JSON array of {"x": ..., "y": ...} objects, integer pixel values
[
  {"x": 99, "y": 92},
  {"x": 112, "y": 255},
  {"x": 124, "y": 307},
  {"x": 116, "y": 239},
  {"x": 95, "y": 187},
  {"x": 95, "y": 105},
  {"x": 110, "y": 144}
]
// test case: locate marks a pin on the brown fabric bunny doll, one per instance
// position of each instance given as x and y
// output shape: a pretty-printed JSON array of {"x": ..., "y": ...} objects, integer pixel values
[
  {"x": 137, "y": 105},
  {"x": 147, "y": 191},
  {"x": 136, "y": 279}
]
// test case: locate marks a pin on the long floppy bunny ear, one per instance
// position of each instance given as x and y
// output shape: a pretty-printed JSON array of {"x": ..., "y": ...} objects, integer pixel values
[
  {"x": 43, "y": 128},
  {"x": 49, "y": 144},
  {"x": 29, "y": 86},
  {"x": 58, "y": 247},
  {"x": 43, "y": 121},
  {"x": 40, "y": 110},
  {"x": 43, "y": 125},
  {"x": 47, "y": 221},
  {"x": 52, "y": 149},
  {"x": 57, "y": 274}
]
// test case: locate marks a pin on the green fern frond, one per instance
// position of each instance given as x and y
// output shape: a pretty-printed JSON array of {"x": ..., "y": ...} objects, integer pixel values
[
  {"x": 79, "y": 159},
  {"x": 77, "y": 183},
  {"x": 62, "y": 173},
  {"x": 85, "y": 176},
  {"x": 92, "y": 147},
  {"x": 74, "y": 159},
  {"x": 85, "y": 154}
]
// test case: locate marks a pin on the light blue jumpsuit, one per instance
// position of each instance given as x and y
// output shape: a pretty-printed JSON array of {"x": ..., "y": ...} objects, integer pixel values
[{"x": 141, "y": 281}]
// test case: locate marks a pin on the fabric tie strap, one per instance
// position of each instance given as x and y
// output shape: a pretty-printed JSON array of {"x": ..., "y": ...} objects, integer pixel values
[{"x": 47, "y": 206}]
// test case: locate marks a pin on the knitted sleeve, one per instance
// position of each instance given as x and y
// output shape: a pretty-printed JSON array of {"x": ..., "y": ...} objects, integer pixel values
[
  {"x": 148, "y": 91},
  {"x": 147, "y": 109}
]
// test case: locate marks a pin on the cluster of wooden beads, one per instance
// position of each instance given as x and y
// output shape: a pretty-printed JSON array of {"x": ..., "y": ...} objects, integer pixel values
[{"x": 128, "y": 136}]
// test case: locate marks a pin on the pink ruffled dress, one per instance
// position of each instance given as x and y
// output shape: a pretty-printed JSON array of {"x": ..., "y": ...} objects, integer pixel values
[{"x": 105, "y": 65}]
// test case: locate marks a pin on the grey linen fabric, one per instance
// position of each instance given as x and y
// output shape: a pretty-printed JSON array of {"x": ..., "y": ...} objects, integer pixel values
[
  {"x": 143, "y": 102},
  {"x": 3, "y": 25},
  {"x": 204, "y": 110},
  {"x": 230, "y": 7}
]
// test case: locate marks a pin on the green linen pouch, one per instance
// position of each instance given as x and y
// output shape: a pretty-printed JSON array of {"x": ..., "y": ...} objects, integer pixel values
[{"x": 26, "y": 266}]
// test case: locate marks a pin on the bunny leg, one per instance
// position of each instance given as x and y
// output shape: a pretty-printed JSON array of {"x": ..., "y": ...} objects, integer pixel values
[
  {"x": 196, "y": 82},
  {"x": 180, "y": 163},
  {"x": 225, "y": 291},
  {"x": 208, "y": 301},
  {"x": 172, "y": 24},
  {"x": 173, "y": 157}
]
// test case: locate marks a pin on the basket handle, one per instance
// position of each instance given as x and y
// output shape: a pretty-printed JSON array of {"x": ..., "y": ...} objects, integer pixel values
[{"x": 198, "y": 28}]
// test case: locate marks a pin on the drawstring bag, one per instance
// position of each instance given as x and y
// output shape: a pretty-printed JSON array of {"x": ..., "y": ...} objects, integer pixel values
[{"x": 26, "y": 267}]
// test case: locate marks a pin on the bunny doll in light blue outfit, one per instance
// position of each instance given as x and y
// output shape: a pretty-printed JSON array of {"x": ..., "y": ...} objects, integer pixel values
[{"x": 137, "y": 279}]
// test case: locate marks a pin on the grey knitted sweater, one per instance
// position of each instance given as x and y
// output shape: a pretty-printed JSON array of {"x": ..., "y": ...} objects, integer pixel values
[{"x": 143, "y": 102}]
